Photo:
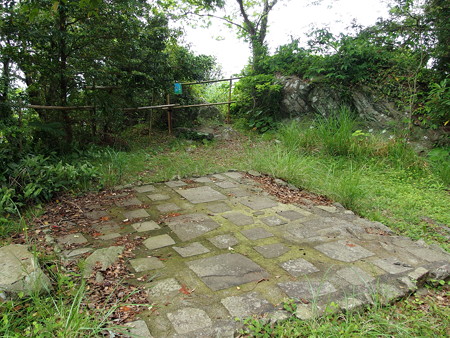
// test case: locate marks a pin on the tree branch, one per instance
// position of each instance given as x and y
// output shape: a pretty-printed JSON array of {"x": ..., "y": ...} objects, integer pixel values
[{"x": 220, "y": 18}]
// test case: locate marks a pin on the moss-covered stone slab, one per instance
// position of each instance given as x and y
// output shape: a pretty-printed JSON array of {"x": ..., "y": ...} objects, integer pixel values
[
  {"x": 168, "y": 207},
  {"x": 273, "y": 221},
  {"x": 146, "y": 264},
  {"x": 175, "y": 184},
  {"x": 157, "y": 242},
  {"x": 226, "y": 185},
  {"x": 218, "y": 207},
  {"x": 201, "y": 195},
  {"x": 299, "y": 267},
  {"x": 256, "y": 233},
  {"x": 344, "y": 251},
  {"x": 145, "y": 188},
  {"x": 309, "y": 290},
  {"x": 191, "y": 226},
  {"x": 272, "y": 250},
  {"x": 258, "y": 203},
  {"x": 355, "y": 276},
  {"x": 227, "y": 270},
  {"x": 224, "y": 241},
  {"x": 158, "y": 197},
  {"x": 145, "y": 226},
  {"x": 192, "y": 249},
  {"x": 239, "y": 218},
  {"x": 138, "y": 213},
  {"x": 189, "y": 319},
  {"x": 247, "y": 305}
]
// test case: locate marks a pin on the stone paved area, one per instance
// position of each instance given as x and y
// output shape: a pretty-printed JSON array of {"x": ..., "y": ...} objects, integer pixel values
[{"x": 240, "y": 253}]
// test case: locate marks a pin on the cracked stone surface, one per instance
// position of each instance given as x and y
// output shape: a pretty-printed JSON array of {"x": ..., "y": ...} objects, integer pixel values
[
  {"x": 227, "y": 270},
  {"x": 219, "y": 247}
]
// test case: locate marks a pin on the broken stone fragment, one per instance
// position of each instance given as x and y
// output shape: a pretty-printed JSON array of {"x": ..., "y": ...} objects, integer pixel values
[{"x": 20, "y": 272}]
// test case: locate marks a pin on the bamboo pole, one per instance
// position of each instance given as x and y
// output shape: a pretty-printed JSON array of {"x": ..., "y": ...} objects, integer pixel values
[
  {"x": 35, "y": 106},
  {"x": 169, "y": 114},
  {"x": 202, "y": 105},
  {"x": 211, "y": 81}
]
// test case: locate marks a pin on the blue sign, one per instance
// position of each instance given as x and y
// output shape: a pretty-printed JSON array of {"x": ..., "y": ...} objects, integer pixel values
[{"x": 177, "y": 88}]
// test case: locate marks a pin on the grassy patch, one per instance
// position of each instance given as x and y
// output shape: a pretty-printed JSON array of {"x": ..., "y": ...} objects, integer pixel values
[{"x": 417, "y": 316}]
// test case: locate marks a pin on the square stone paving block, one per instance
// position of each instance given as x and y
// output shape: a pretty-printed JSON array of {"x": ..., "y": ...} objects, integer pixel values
[
  {"x": 138, "y": 213},
  {"x": 191, "y": 226},
  {"x": 128, "y": 202},
  {"x": 224, "y": 241},
  {"x": 239, "y": 218},
  {"x": 256, "y": 233},
  {"x": 218, "y": 207},
  {"x": 77, "y": 238},
  {"x": 145, "y": 226},
  {"x": 234, "y": 175},
  {"x": 175, "y": 184},
  {"x": 392, "y": 265},
  {"x": 168, "y": 207},
  {"x": 139, "y": 329},
  {"x": 158, "y": 197},
  {"x": 272, "y": 250},
  {"x": 107, "y": 227},
  {"x": 219, "y": 176},
  {"x": 258, "y": 203},
  {"x": 109, "y": 236},
  {"x": 163, "y": 287},
  {"x": 308, "y": 290},
  {"x": 238, "y": 192},
  {"x": 193, "y": 249},
  {"x": 201, "y": 195},
  {"x": 227, "y": 270},
  {"x": 145, "y": 188},
  {"x": 290, "y": 215},
  {"x": 157, "y": 242},
  {"x": 202, "y": 180},
  {"x": 273, "y": 221},
  {"x": 226, "y": 185},
  {"x": 344, "y": 251},
  {"x": 146, "y": 263},
  {"x": 76, "y": 252},
  {"x": 96, "y": 214},
  {"x": 299, "y": 267},
  {"x": 189, "y": 319},
  {"x": 247, "y": 305},
  {"x": 355, "y": 276}
]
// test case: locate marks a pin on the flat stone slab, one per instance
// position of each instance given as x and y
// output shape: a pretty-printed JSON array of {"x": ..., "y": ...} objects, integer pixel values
[
  {"x": 218, "y": 207},
  {"x": 227, "y": 270},
  {"x": 145, "y": 226},
  {"x": 176, "y": 184},
  {"x": 202, "y": 179},
  {"x": 158, "y": 197},
  {"x": 226, "y": 185},
  {"x": 258, "y": 203},
  {"x": 291, "y": 215},
  {"x": 163, "y": 288},
  {"x": 299, "y": 267},
  {"x": 392, "y": 265},
  {"x": 108, "y": 227},
  {"x": 201, "y": 195},
  {"x": 145, "y": 188},
  {"x": 128, "y": 202},
  {"x": 239, "y": 218},
  {"x": 234, "y": 175},
  {"x": 76, "y": 252},
  {"x": 247, "y": 305},
  {"x": 256, "y": 233},
  {"x": 344, "y": 251},
  {"x": 77, "y": 238},
  {"x": 192, "y": 249},
  {"x": 105, "y": 257},
  {"x": 138, "y": 213},
  {"x": 189, "y": 319},
  {"x": 224, "y": 241},
  {"x": 146, "y": 264},
  {"x": 157, "y": 242},
  {"x": 168, "y": 207},
  {"x": 272, "y": 250},
  {"x": 97, "y": 214},
  {"x": 309, "y": 290},
  {"x": 273, "y": 221},
  {"x": 191, "y": 226},
  {"x": 139, "y": 329},
  {"x": 109, "y": 237},
  {"x": 355, "y": 276}
]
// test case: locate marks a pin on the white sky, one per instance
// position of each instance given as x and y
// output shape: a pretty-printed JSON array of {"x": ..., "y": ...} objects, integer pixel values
[{"x": 289, "y": 18}]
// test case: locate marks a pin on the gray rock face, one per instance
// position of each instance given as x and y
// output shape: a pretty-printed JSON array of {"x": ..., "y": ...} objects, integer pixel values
[
  {"x": 20, "y": 271},
  {"x": 303, "y": 97}
]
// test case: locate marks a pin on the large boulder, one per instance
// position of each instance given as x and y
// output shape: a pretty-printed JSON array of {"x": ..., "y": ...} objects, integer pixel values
[
  {"x": 20, "y": 272},
  {"x": 311, "y": 98}
]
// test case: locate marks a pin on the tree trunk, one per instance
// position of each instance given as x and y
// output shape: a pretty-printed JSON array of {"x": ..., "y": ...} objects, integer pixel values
[{"x": 5, "y": 109}]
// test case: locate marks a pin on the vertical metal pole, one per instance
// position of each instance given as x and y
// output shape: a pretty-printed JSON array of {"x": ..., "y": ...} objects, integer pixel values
[
  {"x": 229, "y": 101},
  {"x": 169, "y": 115}
]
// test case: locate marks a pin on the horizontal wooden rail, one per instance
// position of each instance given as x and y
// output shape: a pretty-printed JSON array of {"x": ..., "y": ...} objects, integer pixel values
[
  {"x": 34, "y": 106},
  {"x": 203, "y": 104},
  {"x": 163, "y": 106},
  {"x": 211, "y": 81}
]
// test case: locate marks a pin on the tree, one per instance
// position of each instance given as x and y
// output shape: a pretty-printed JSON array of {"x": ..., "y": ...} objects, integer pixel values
[{"x": 250, "y": 18}]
